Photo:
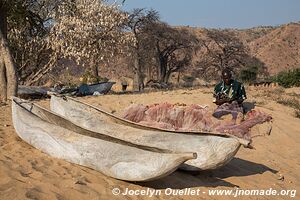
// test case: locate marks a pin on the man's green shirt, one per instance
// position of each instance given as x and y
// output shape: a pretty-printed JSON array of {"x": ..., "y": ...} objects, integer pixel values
[{"x": 234, "y": 91}]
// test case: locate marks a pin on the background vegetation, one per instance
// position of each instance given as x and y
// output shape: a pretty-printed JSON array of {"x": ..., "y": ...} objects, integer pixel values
[{"x": 289, "y": 78}]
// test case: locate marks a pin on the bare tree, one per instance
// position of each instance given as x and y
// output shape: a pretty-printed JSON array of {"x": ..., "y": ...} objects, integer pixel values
[
  {"x": 221, "y": 49},
  {"x": 173, "y": 47},
  {"x": 139, "y": 19}
]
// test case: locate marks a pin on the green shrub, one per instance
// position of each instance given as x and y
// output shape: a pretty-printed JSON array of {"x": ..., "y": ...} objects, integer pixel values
[
  {"x": 253, "y": 69},
  {"x": 289, "y": 78},
  {"x": 248, "y": 74},
  {"x": 188, "y": 79}
]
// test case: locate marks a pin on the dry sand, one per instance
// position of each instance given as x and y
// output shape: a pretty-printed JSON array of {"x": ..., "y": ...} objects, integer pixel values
[{"x": 27, "y": 173}]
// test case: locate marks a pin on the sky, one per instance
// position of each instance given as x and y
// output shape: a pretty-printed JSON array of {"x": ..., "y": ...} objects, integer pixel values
[{"x": 221, "y": 13}]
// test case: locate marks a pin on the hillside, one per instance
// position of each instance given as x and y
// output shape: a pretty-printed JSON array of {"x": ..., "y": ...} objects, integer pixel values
[{"x": 277, "y": 47}]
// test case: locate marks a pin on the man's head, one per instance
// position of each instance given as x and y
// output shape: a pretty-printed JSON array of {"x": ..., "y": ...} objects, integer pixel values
[{"x": 226, "y": 75}]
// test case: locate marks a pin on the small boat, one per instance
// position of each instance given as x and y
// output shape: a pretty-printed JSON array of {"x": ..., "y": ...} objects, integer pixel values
[
  {"x": 101, "y": 88},
  {"x": 213, "y": 149},
  {"x": 60, "y": 138},
  {"x": 32, "y": 92}
]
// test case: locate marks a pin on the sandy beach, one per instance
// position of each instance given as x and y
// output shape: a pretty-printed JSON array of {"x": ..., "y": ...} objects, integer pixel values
[{"x": 27, "y": 173}]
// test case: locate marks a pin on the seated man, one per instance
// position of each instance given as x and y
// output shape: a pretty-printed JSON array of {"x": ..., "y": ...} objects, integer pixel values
[{"x": 229, "y": 95}]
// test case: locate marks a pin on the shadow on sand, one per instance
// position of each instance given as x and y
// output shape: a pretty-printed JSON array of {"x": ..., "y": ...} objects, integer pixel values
[{"x": 183, "y": 179}]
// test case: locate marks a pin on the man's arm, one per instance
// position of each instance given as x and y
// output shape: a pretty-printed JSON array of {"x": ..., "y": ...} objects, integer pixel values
[
  {"x": 241, "y": 94},
  {"x": 215, "y": 95},
  {"x": 219, "y": 97},
  {"x": 221, "y": 101}
]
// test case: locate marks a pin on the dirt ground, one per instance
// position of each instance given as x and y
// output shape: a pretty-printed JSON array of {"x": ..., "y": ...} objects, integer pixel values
[{"x": 27, "y": 173}]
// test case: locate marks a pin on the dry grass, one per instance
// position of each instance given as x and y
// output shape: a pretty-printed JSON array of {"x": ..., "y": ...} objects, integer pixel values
[
  {"x": 279, "y": 95},
  {"x": 294, "y": 94},
  {"x": 293, "y": 103}
]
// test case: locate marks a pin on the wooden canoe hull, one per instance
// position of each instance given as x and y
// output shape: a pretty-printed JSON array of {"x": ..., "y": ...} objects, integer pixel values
[
  {"x": 101, "y": 88},
  {"x": 213, "y": 150},
  {"x": 112, "y": 158}
]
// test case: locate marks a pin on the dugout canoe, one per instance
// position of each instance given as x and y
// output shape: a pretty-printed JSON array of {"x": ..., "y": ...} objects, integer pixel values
[
  {"x": 101, "y": 88},
  {"x": 58, "y": 137},
  {"x": 213, "y": 149}
]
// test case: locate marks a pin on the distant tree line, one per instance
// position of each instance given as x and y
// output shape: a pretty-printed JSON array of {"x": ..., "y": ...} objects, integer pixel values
[{"x": 36, "y": 34}]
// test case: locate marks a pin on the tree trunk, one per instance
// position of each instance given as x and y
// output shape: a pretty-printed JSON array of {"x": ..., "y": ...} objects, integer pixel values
[
  {"x": 138, "y": 83},
  {"x": 3, "y": 86},
  {"x": 136, "y": 75},
  {"x": 163, "y": 69},
  {"x": 178, "y": 77},
  {"x": 149, "y": 73},
  {"x": 3, "y": 28},
  {"x": 95, "y": 71},
  {"x": 10, "y": 68},
  {"x": 158, "y": 75},
  {"x": 167, "y": 77},
  {"x": 141, "y": 81}
]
